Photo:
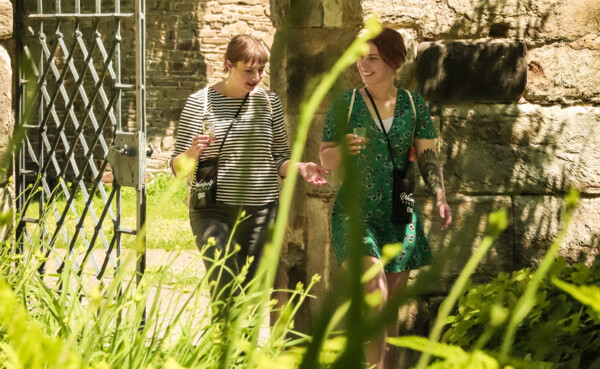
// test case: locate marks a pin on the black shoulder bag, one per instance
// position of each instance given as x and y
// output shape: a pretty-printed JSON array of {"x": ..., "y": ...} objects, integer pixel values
[
  {"x": 204, "y": 193},
  {"x": 403, "y": 189}
]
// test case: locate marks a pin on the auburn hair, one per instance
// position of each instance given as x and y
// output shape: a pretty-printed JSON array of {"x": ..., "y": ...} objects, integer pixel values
[
  {"x": 390, "y": 45},
  {"x": 245, "y": 48}
]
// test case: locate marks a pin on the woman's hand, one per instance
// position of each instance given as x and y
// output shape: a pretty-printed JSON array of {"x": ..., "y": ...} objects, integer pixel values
[
  {"x": 355, "y": 143},
  {"x": 313, "y": 173},
  {"x": 330, "y": 153},
  {"x": 199, "y": 143},
  {"x": 444, "y": 211}
]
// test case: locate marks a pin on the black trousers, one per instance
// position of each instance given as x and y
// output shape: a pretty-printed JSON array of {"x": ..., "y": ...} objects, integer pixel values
[{"x": 218, "y": 221}]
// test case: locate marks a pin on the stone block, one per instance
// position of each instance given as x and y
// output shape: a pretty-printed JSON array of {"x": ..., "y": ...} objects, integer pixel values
[
  {"x": 547, "y": 20},
  {"x": 168, "y": 143},
  {"x": 215, "y": 40},
  {"x": 208, "y": 32},
  {"x": 258, "y": 10},
  {"x": 288, "y": 13},
  {"x": 235, "y": 28},
  {"x": 6, "y": 113},
  {"x": 484, "y": 71},
  {"x": 415, "y": 319},
  {"x": 332, "y": 14},
  {"x": 561, "y": 74},
  {"x": 537, "y": 221},
  {"x": 520, "y": 149},
  {"x": 572, "y": 21},
  {"x": 6, "y": 19},
  {"x": 157, "y": 164},
  {"x": 209, "y": 18},
  {"x": 190, "y": 44},
  {"x": 407, "y": 74},
  {"x": 319, "y": 253},
  {"x": 185, "y": 7},
  {"x": 453, "y": 246},
  {"x": 299, "y": 57},
  {"x": 430, "y": 16}
]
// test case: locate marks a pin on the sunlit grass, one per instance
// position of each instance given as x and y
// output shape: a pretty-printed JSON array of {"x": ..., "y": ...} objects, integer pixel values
[
  {"x": 165, "y": 318},
  {"x": 167, "y": 223}
]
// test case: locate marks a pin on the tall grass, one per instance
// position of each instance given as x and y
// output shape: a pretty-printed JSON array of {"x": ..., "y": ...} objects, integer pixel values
[{"x": 71, "y": 320}]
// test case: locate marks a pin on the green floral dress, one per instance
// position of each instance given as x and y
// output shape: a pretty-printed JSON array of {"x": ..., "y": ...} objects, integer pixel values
[{"x": 376, "y": 179}]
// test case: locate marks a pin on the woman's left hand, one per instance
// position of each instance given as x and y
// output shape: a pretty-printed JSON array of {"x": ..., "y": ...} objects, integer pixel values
[
  {"x": 313, "y": 173},
  {"x": 445, "y": 212}
]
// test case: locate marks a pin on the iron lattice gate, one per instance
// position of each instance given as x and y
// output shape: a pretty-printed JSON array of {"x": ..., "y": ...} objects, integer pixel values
[{"x": 81, "y": 82}]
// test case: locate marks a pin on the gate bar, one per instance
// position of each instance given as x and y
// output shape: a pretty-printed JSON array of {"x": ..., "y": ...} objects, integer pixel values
[
  {"x": 79, "y": 15},
  {"x": 140, "y": 71}
]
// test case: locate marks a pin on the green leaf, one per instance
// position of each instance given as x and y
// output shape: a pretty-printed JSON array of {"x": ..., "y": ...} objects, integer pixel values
[
  {"x": 424, "y": 345},
  {"x": 589, "y": 295}
]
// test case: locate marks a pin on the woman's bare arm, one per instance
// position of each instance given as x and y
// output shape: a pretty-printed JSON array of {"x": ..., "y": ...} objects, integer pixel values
[
  {"x": 431, "y": 171},
  {"x": 330, "y": 155}
]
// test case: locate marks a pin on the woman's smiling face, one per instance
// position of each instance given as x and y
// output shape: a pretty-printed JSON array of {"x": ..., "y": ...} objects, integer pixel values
[
  {"x": 246, "y": 76},
  {"x": 373, "y": 69}
]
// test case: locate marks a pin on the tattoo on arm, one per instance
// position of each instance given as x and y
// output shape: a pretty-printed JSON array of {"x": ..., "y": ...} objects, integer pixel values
[{"x": 430, "y": 171}]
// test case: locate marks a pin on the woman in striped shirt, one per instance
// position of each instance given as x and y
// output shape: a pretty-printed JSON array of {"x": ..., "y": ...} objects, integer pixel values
[{"x": 248, "y": 136}]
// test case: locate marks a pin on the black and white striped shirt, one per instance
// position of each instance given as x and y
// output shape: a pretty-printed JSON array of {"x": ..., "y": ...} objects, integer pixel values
[{"x": 253, "y": 151}]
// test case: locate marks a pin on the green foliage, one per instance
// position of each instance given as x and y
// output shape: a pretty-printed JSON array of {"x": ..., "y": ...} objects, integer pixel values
[
  {"x": 528, "y": 299},
  {"x": 588, "y": 295},
  {"x": 453, "y": 356},
  {"x": 558, "y": 329},
  {"x": 497, "y": 222}
]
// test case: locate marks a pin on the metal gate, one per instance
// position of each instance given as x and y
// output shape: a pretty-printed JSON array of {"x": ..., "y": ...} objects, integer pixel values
[{"x": 78, "y": 92}]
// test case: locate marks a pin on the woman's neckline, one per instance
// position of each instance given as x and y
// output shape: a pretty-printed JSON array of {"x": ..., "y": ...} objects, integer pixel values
[
  {"x": 374, "y": 117},
  {"x": 231, "y": 97}
]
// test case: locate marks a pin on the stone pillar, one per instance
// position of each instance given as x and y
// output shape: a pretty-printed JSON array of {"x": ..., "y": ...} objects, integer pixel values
[
  {"x": 6, "y": 107},
  {"x": 310, "y": 36}
]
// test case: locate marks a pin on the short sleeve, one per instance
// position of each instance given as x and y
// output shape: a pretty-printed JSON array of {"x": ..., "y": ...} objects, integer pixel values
[
  {"x": 280, "y": 149},
  {"x": 190, "y": 124},
  {"x": 424, "y": 127},
  {"x": 336, "y": 121}
]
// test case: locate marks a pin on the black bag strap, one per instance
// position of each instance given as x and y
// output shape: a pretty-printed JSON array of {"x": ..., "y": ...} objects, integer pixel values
[
  {"x": 387, "y": 139},
  {"x": 205, "y": 118},
  {"x": 231, "y": 124}
]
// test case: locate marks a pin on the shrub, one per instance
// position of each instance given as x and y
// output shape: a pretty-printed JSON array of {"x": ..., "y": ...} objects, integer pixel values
[{"x": 558, "y": 329}]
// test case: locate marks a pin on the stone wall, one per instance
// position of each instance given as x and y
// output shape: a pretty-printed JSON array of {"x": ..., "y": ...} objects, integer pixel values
[
  {"x": 513, "y": 88},
  {"x": 6, "y": 108}
]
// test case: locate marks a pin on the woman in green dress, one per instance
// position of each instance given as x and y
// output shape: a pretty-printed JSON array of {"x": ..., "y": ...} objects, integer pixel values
[{"x": 406, "y": 120}]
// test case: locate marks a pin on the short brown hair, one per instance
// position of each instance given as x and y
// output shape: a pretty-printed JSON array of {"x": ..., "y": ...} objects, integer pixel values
[
  {"x": 390, "y": 45},
  {"x": 246, "y": 48}
]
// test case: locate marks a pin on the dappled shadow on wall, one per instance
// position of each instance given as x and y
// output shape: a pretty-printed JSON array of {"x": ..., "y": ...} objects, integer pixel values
[{"x": 500, "y": 154}]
